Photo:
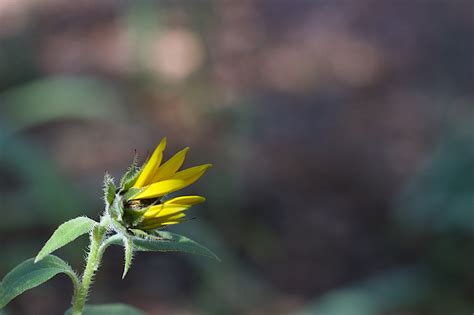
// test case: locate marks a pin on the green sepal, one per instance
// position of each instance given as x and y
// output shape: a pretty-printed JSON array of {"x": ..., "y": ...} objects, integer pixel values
[
  {"x": 158, "y": 236},
  {"x": 130, "y": 176},
  {"x": 66, "y": 233},
  {"x": 118, "y": 227},
  {"x": 115, "y": 309},
  {"x": 109, "y": 189},
  {"x": 148, "y": 235},
  {"x": 132, "y": 192},
  {"x": 115, "y": 210},
  {"x": 128, "y": 254},
  {"x": 135, "y": 216},
  {"x": 29, "y": 274},
  {"x": 137, "y": 212},
  {"x": 133, "y": 219},
  {"x": 140, "y": 233}
]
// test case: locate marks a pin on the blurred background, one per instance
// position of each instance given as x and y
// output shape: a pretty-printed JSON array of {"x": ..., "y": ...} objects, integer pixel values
[{"x": 341, "y": 133}]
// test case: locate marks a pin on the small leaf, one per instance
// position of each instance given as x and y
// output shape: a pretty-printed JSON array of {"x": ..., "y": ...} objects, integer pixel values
[
  {"x": 109, "y": 189},
  {"x": 66, "y": 233},
  {"x": 128, "y": 246},
  {"x": 115, "y": 309},
  {"x": 28, "y": 275},
  {"x": 171, "y": 243}
]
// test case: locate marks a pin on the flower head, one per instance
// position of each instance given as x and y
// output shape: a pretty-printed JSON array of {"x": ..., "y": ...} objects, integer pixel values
[{"x": 140, "y": 203}]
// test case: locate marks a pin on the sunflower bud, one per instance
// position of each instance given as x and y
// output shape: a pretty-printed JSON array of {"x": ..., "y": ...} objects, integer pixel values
[{"x": 140, "y": 203}]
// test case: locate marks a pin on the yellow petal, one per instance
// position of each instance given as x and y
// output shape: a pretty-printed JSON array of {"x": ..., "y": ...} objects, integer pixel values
[
  {"x": 162, "y": 210},
  {"x": 153, "y": 210},
  {"x": 171, "y": 222},
  {"x": 168, "y": 169},
  {"x": 151, "y": 166},
  {"x": 168, "y": 220},
  {"x": 185, "y": 200},
  {"x": 171, "y": 217},
  {"x": 160, "y": 189},
  {"x": 171, "y": 210},
  {"x": 192, "y": 174},
  {"x": 163, "y": 220},
  {"x": 158, "y": 225}
]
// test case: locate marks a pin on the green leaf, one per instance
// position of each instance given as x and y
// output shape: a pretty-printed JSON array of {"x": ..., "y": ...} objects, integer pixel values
[
  {"x": 128, "y": 246},
  {"x": 79, "y": 97},
  {"x": 115, "y": 309},
  {"x": 171, "y": 242},
  {"x": 66, "y": 233},
  {"x": 381, "y": 294},
  {"x": 28, "y": 275},
  {"x": 45, "y": 199}
]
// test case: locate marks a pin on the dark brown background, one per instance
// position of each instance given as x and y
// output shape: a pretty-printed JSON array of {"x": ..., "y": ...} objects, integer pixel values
[{"x": 341, "y": 134}]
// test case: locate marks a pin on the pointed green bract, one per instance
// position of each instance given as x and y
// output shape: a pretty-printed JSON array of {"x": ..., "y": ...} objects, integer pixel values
[
  {"x": 29, "y": 274},
  {"x": 109, "y": 189},
  {"x": 115, "y": 309},
  {"x": 115, "y": 210},
  {"x": 130, "y": 177},
  {"x": 128, "y": 247},
  {"x": 171, "y": 242},
  {"x": 139, "y": 233},
  {"x": 66, "y": 233},
  {"x": 132, "y": 192}
]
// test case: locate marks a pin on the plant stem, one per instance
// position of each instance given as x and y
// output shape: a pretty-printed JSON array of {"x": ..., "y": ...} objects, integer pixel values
[{"x": 93, "y": 262}]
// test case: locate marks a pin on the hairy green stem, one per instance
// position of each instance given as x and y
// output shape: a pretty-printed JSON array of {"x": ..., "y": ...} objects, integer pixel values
[{"x": 94, "y": 257}]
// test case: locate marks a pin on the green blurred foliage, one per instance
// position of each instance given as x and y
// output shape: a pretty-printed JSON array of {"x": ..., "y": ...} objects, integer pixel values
[{"x": 441, "y": 198}]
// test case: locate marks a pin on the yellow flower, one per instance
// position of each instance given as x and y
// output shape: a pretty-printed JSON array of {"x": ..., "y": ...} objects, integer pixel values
[{"x": 156, "y": 180}]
